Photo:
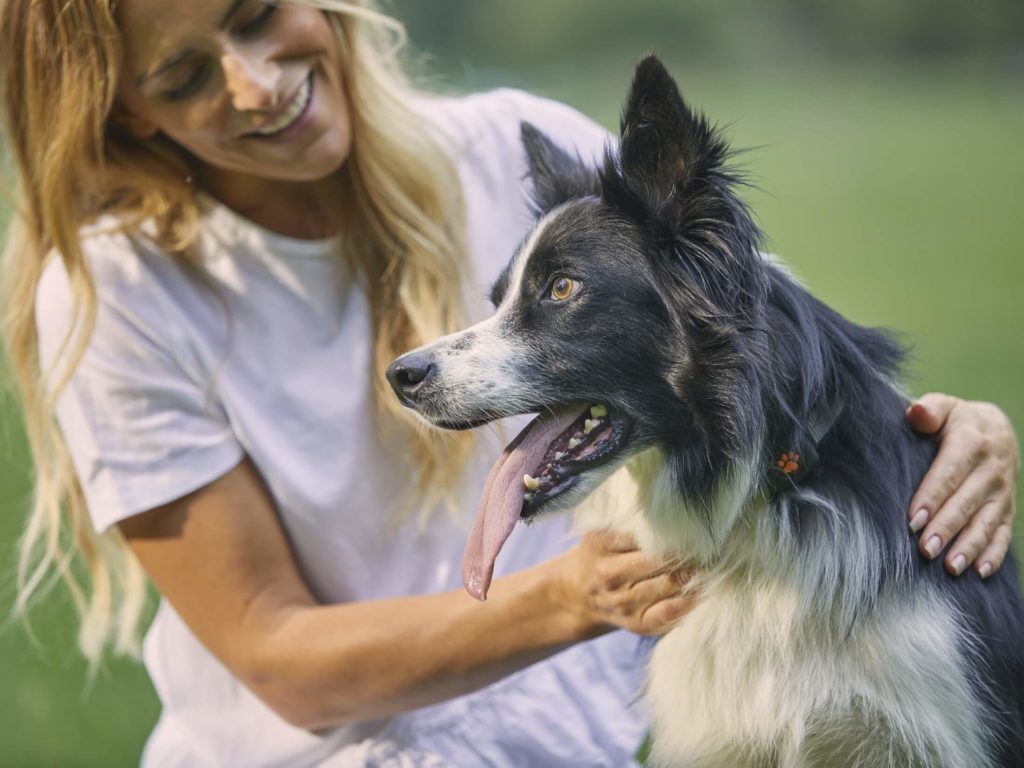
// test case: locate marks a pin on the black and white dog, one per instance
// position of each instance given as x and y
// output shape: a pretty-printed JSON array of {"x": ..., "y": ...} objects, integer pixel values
[{"x": 768, "y": 443}]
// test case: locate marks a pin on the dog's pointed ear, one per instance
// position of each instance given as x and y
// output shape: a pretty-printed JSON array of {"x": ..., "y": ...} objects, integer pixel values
[
  {"x": 557, "y": 175},
  {"x": 665, "y": 147}
]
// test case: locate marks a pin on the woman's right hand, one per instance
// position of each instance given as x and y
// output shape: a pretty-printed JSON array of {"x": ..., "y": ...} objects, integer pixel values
[
  {"x": 610, "y": 583},
  {"x": 222, "y": 558}
]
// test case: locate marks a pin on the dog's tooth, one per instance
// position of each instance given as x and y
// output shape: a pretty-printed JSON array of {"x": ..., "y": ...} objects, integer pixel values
[
  {"x": 559, "y": 455},
  {"x": 573, "y": 443},
  {"x": 589, "y": 425},
  {"x": 527, "y": 497},
  {"x": 531, "y": 483},
  {"x": 598, "y": 411}
]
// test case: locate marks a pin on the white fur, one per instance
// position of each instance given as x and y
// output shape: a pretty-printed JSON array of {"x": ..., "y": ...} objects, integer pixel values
[
  {"x": 523, "y": 257},
  {"x": 483, "y": 376},
  {"x": 795, "y": 663},
  {"x": 783, "y": 266}
]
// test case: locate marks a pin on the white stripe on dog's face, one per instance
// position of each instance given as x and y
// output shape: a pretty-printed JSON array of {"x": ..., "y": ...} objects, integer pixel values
[
  {"x": 479, "y": 370},
  {"x": 522, "y": 258}
]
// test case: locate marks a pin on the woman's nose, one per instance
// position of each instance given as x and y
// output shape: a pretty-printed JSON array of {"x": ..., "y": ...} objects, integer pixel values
[{"x": 251, "y": 82}]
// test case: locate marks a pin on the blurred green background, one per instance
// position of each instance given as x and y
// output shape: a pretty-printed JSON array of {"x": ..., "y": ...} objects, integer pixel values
[{"x": 887, "y": 146}]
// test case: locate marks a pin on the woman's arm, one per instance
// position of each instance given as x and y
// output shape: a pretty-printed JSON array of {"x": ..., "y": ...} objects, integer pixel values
[
  {"x": 967, "y": 496},
  {"x": 222, "y": 559}
]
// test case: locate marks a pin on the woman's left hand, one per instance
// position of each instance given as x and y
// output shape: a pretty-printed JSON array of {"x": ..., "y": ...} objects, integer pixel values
[{"x": 967, "y": 496}]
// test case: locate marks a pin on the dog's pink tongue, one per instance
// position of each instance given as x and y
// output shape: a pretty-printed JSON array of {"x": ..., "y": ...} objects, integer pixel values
[{"x": 502, "y": 498}]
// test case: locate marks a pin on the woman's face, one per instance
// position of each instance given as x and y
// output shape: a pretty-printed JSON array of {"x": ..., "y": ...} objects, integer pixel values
[{"x": 247, "y": 87}]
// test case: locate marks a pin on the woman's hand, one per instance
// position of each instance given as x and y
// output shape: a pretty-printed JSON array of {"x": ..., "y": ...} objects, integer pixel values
[
  {"x": 967, "y": 496},
  {"x": 608, "y": 582},
  {"x": 222, "y": 558}
]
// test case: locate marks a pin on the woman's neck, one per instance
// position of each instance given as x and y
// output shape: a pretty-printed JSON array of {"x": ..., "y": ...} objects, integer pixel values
[{"x": 308, "y": 210}]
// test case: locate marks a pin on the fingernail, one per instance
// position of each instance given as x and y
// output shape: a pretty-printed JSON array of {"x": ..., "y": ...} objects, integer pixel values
[
  {"x": 933, "y": 546},
  {"x": 985, "y": 570},
  {"x": 918, "y": 520},
  {"x": 959, "y": 563}
]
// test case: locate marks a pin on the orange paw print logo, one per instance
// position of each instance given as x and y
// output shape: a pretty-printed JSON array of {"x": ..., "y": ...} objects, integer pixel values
[{"x": 788, "y": 462}]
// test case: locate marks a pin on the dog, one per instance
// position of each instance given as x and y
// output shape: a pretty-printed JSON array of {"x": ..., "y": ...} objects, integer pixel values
[{"x": 766, "y": 435}]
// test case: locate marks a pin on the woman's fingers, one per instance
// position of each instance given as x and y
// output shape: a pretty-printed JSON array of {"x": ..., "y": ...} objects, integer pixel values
[
  {"x": 958, "y": 513},
  {"x": 991, "y": 557},
  {"x": 661, "y": 617},
  {"x": 612, "y": 541},
  {"x": 648, "y": 606},
  {"x": 622, "y": 572},
  {"x": 970, "y": 542},
  {"x": 966, "y": 499},
  {"x": 929, "y": 412},
  {"x": 955, "y": 460},
  {"x": 621, "y": 586}
]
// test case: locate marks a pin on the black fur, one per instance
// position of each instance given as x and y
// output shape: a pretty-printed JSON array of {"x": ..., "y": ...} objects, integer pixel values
[{"x": 748, "y": 354}]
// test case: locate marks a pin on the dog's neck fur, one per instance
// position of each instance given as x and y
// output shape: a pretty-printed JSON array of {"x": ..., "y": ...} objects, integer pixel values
[{"x": 850, "y": 537}]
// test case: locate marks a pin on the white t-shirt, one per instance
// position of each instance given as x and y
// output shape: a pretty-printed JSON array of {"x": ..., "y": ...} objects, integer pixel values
[{"x": 178, "y": 384}]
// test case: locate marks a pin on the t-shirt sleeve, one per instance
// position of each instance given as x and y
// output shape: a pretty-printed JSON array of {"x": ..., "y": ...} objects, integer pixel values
[
  {"x": 140, "y": 429},
  {"x": 567, "y": 127}
]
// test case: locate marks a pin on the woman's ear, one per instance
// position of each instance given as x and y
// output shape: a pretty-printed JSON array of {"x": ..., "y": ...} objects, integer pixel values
[{"x": 137, "y": 126}]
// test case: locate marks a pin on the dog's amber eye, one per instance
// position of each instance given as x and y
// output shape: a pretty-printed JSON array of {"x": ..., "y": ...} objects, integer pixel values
[{"x": 563, "y": 287}]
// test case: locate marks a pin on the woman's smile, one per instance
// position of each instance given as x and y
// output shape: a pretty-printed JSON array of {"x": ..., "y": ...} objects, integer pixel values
[{"x": 290, "y": 119}]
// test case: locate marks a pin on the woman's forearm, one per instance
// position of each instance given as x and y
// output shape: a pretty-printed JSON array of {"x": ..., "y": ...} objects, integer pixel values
[
  {"x": 221, "y": 558},
  {"x": 328, "y": 664}
]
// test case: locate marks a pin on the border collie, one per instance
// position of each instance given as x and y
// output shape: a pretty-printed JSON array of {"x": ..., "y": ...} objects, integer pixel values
[{"x": 766, "y": 435}]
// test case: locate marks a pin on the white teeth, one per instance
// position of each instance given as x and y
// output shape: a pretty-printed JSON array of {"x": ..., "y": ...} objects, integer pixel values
[
  {"x": 531, "y": 483},
  {"x": 588, "y": 426},
  {"x": 598, "y": 411},
  {"x": 289, "y": 115},
  {"x": 527, "y": 497},
  {"x": 573, "y": 443},
  {"x": 559, "y": 455}
]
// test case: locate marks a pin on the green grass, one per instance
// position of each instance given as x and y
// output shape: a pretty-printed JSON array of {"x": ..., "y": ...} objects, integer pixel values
[
  {"x": 50, "y": 715},
  {"x": 898, "y": 198}
]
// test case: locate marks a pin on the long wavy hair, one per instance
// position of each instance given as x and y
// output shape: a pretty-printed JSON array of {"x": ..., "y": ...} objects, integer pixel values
[{"x": 59, "y": 66}]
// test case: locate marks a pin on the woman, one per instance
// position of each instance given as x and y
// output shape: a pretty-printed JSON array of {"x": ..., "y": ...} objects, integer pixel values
[{"x": 253, "y": 215}]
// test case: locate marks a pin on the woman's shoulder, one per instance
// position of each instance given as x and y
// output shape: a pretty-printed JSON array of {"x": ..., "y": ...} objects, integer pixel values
[
  {"x": 117, "y": 261},
  {"x": 123, "y": 268},
  {"x": 488, "y": 124}
]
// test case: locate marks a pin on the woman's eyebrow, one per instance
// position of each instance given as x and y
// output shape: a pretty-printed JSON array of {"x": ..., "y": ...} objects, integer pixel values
[{"x": 178, "y": 56}]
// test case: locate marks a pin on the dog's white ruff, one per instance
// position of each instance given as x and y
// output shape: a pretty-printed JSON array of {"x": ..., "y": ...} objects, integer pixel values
[{"x": 755, "y": 675}]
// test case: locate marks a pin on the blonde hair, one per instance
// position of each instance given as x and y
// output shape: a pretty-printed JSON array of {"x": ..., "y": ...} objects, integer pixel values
[{"x": 404, "y": 231}]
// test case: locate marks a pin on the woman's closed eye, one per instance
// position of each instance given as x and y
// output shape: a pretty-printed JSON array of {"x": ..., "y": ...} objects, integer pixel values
[
  {"x": 192, "y": 81},
  {"x": 196, "y": 74}
]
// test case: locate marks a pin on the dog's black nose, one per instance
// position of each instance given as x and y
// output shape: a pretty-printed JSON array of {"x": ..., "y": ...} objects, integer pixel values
[{"x": 408, "y": 374}]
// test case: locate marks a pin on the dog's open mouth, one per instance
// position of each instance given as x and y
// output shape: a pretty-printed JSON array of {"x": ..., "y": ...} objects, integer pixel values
[
  {"x": 592, "y": 439},
  {"x": 544, "y": 461}
]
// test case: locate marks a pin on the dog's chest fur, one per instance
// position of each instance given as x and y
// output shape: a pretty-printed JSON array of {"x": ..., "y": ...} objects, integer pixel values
[{"x": 756, "y": 676}]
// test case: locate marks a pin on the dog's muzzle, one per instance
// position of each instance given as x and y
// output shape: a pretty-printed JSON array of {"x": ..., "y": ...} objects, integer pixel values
[{"x": 409, "y": 375}]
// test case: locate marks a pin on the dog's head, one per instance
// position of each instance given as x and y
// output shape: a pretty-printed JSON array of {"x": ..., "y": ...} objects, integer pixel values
[{"x": 614, "y": 320}]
